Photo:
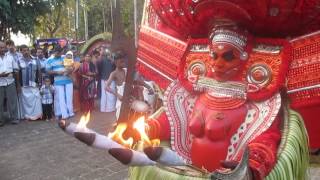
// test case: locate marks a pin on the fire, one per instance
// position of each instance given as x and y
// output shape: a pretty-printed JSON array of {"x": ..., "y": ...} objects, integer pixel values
[
  {"x": 117, "y": 135},
  {"x": 140, "y": 126},
  {"x": 84, "y": 120}
]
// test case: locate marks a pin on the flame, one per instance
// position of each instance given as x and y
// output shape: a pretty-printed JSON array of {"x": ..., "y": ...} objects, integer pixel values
[
  {"x": 116, "y": 135},
  {"x": 140, "y": 126},
  {"x": 84, "y": 120}
]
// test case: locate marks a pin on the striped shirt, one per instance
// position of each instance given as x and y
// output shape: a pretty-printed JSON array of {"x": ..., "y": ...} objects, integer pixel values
[
  {"x": 28, "y": 69},
  {"x": 47, "y": 94},
  {"x": 56, "y": 64}
]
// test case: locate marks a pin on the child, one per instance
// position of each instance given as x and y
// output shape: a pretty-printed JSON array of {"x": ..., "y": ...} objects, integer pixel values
[{"x": 47, "y": 91}]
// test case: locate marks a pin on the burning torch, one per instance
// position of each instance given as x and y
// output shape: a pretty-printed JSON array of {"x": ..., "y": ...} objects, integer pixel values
[{"x": 123, "y": 148}]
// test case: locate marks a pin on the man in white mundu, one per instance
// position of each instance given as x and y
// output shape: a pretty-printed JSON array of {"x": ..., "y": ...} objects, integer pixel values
[
  {"x": 116, "y": 82},
  {"x": 30, "y": 72},
  {"x": 108, "y": 100}
]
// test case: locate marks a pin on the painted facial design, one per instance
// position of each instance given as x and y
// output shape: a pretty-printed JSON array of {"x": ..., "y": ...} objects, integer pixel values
[{"x": 225, "y": 62}]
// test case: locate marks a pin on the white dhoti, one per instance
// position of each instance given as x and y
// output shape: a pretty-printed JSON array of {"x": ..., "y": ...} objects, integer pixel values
[
  {"x": 31, "y": 103},
  {"x": 63, "y": 105},
  {"x": 120, "y": 90},
  {"x": 20, "y": 108},
  {"x": 108, "y": 100}
]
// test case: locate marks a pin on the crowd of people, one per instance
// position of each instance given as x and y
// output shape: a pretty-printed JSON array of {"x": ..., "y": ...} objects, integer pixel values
[{"x": 35, "y": 84}]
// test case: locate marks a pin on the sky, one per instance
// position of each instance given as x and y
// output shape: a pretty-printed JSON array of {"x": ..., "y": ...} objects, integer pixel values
[{"x": 20, "y": 39}]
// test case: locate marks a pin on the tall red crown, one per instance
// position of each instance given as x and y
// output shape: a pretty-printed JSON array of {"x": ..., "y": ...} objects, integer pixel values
[{"x": 272, "y": 18}]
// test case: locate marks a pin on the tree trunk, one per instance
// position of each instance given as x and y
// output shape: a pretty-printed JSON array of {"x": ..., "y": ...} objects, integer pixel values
[
  {"x": 121, "y": 42},
  {"x": 51, "y": 34}
]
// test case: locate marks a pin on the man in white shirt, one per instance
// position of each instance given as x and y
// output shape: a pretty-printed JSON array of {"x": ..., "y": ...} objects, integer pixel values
[
  {"x": 30, "y": 77},
  {"x": 8, "y": 69},
  {"x": 12, "y": 50}
]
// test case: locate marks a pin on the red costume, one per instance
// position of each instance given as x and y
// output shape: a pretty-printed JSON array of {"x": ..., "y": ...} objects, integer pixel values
[
  {"x": 228, "y": 90},
  {"x": 222, "y": 78}
]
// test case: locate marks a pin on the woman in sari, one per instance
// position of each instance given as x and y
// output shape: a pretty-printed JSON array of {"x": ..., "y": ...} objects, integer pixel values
[
  {"x": 88, "y": 89},
  {"x": 76, "y": 84}
]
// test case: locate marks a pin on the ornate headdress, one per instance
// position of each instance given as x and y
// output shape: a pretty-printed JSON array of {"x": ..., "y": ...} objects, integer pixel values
[{"x": 220, "y": 35}]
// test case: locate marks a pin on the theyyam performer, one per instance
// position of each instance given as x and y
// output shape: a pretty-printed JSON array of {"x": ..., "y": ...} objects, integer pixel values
[{"x": 235, "y": 75}]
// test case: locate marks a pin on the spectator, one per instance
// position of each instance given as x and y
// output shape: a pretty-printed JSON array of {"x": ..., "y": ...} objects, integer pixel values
[
  {"x": 33, "y": 53},
  {"x": 42, "y": 60},
  {"x": 88, "y": 89},
  {"x": 81, "y": 58},
  {"x": 108, "y": 100},
  {"x": 63, "y": 105},
  {"x": 47, "y": 91},
  {"x": 76, "y": 86},
  {"x": 12, "y": 50},
  {"x": 8, "y": 69},
  {"x": 95, "y": 57},
  {"x": 115, "y": 83},
  {"x": 76, "y": 56},
  {"x": 46, "y": 50},
  {"x": 100, "y": 58},
  {"x": 30, "y": 73}
]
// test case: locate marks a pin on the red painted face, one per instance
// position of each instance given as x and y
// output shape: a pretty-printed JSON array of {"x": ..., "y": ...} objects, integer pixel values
[{"x": 225, "y": 62}]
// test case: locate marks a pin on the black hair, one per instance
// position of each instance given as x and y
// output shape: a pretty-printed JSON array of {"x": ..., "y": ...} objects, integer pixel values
[
  {"x": 46, "y": 78},
  {"x": 58, "y": 49},
  {"x": 33, "y": 51},
  {"x": 95, "y": 52},
  {"x": 23, "y": 46},
  {"x": 118, "y": 55},
  {"x": 39, "y": 49},
  {"x": 9, "y": 42}
]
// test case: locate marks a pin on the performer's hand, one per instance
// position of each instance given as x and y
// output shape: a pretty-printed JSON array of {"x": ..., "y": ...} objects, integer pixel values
[
  {"x": 229, "y": 164},
  {"x": 233, "y": 164}
]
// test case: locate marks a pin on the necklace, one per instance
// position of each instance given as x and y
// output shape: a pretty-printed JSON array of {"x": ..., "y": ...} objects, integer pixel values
[{"x": 221, "y": 103}]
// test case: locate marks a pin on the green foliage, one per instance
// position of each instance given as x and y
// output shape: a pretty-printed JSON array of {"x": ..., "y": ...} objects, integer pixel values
[
  {"x": 98, "y": 24},
  {"x": 127, "y": 12},
  {"x": 53, "y": 20},
  {"x": 56, "y": 18},
  {"x": 99, "y": 17},
  {"x": 20, "y": 15}
]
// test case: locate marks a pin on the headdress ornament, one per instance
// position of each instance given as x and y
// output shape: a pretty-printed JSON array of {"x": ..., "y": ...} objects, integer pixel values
[{"x": 239, "y": 41}]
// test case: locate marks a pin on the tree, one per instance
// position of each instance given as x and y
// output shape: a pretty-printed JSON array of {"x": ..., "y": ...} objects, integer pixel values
[
  {"x": 49, "y": 23},
  {"x": 98, "y": 24},
  {"x": 99, "y": 13},
  {"x": 127, "y": 12},
  {"x": 60, "y": 20},
  {"x": 20, "y": 15}
]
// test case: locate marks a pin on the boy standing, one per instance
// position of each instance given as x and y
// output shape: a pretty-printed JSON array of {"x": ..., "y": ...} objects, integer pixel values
[{"x": 47, "y": 91}]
